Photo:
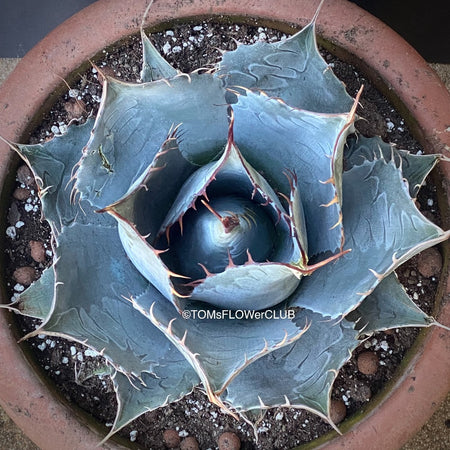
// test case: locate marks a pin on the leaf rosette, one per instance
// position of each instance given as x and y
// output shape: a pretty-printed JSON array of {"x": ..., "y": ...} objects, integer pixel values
[{"x": 225, "y": 191}]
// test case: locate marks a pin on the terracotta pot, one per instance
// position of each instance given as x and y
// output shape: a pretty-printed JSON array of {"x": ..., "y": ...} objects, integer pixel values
[{"x": 351, "y": 34}]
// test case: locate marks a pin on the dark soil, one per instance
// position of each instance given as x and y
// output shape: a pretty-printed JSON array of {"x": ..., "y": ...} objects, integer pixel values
[{"x": 69, "y": 364}]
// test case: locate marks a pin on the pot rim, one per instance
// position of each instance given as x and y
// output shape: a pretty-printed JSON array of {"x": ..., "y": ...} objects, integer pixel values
[{"x": 352, "y": 34}]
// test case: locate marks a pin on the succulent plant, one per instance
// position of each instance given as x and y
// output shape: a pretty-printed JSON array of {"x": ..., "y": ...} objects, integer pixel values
[{"x": 227, "y": 228}]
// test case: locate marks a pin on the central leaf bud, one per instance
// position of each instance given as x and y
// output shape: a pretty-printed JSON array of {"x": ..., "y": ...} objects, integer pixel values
[{"x": 228, "y": 227}]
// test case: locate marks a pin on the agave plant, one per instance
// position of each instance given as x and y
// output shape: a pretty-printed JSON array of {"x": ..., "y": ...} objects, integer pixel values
[{"x": 205, "y": 231}]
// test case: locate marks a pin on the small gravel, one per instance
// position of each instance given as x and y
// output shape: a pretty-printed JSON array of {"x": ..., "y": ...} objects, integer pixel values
[
  {"x": 368, "y": 363},
  {"x": 430, "y": 263},
  {"x": 229, "y": 441},
  {"x": 25, "y": 275},
  {"x": 338, "y": 411},
  {"x": 189, "y": 443},
  {"x": 171, "y": 438},
  {"x": 37, "y": 251}
]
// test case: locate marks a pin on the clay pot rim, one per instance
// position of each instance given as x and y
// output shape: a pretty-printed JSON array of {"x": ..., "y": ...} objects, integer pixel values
[{"x": 349, "y": 30}]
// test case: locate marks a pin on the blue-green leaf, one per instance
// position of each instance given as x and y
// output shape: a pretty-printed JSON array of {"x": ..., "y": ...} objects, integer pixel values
[
  {"x": 149, "y": 198},
  {"x": 297, "y": 216},
  {"x": 383, "y": 228},
  {"x": 231, "y": 174},
  {"x": 292, "y": 70},
  {"x": 274, "y": 137},
  {"x": 171, "y": 381},
  {"x": 221, "y": 343},
  {"x": 415, "y": 168},
  {"x": 140, "y": 214},
  {"x": 52, "y": 164},
  {"x": 299, "y": 375},
  {"x": 95, "y": 311},
  {"x": 132, "y": 125},
  {"x": 154, "y": 66},
  {"x": 147, "y": 260},
  {"x": 388, "y": 306},
  {"x": 243, "y": 197},
  {"x": 253, "y": 286},
  {"x": 36, "y": 301}
]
